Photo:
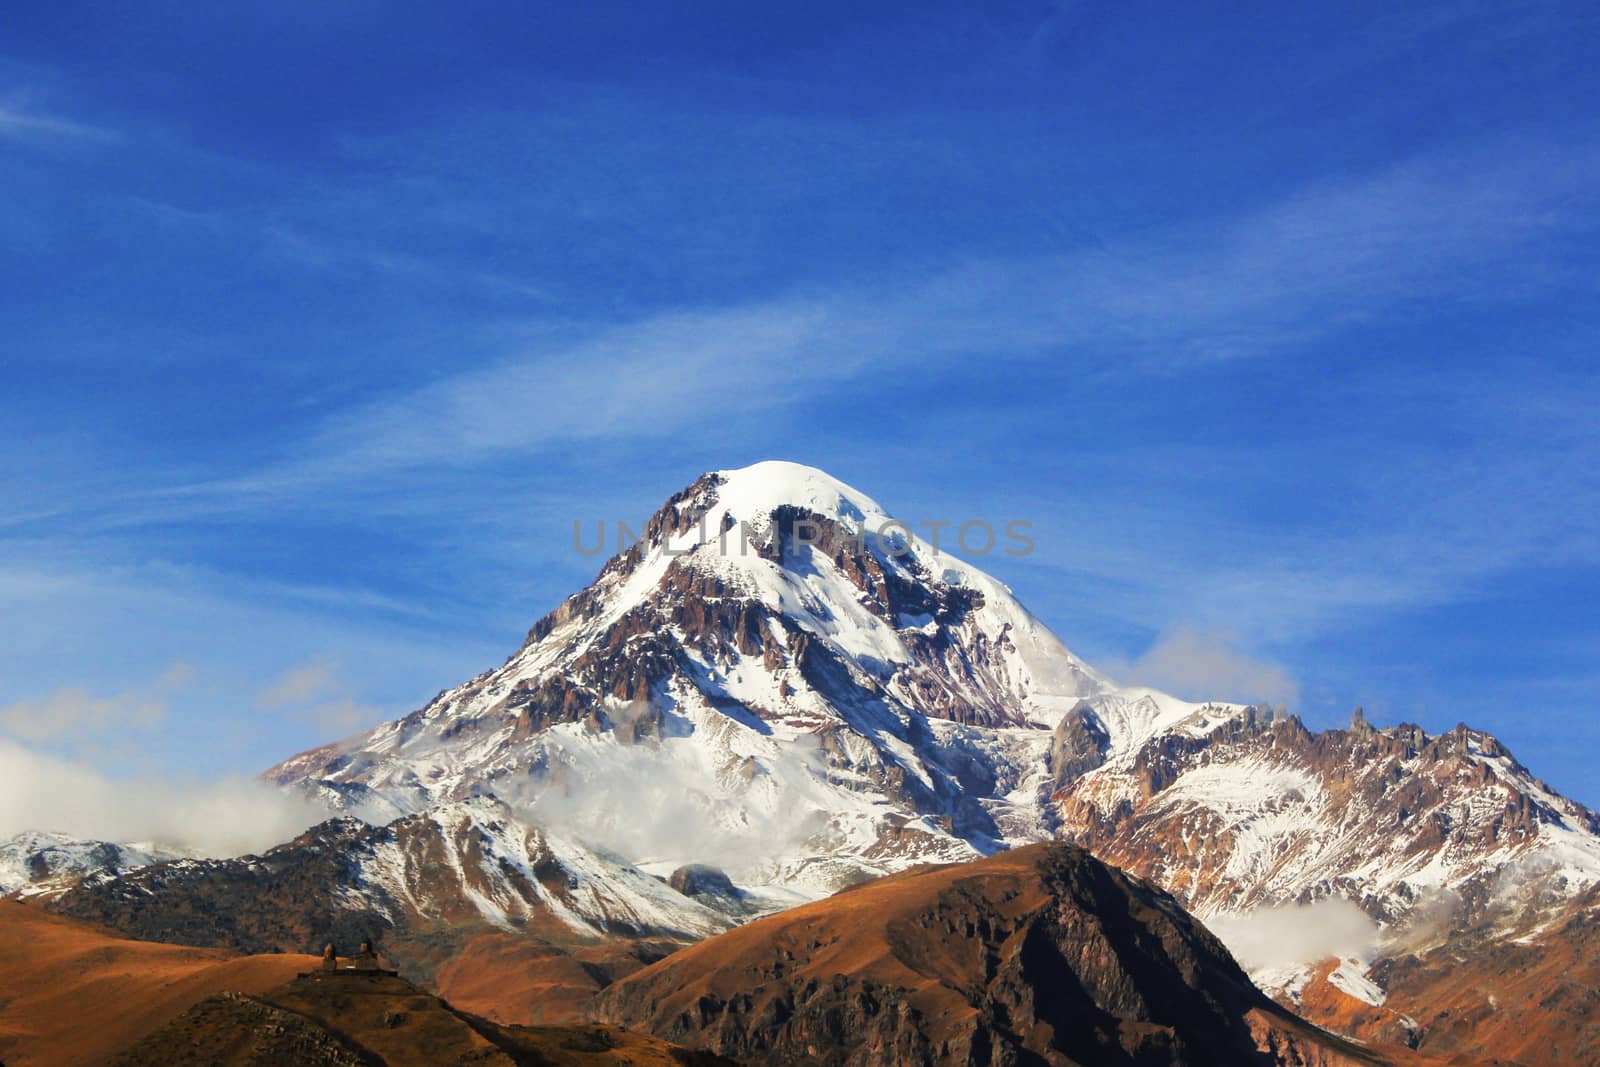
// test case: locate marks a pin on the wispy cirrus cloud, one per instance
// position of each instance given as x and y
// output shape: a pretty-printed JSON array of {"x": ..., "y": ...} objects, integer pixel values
[
  {"x": 1264, "y": 284},
  {"x": 1472, "y": 224},
  {"x": 317, "y": 693},
  {"x": 21, "y": 122},
  {"x": 300, "y": 684}
]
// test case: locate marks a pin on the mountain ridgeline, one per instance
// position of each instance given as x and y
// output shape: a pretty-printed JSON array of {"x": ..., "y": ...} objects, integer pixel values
[{"x": 763, "y": 692}]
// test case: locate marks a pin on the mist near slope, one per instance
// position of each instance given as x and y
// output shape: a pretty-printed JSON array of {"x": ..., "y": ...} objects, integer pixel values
[
  {"x": 669, "y": 800},
  {"x": 1291, "y": 936},
  {"x": 218, "y": 818}
]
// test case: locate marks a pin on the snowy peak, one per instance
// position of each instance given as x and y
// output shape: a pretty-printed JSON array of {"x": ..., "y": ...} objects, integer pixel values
[
  {"x": 44, "y": 864},
  {"x": 774, "y": 642},
  {"x": 1455, "y": 853},
  {"x": 825, "y": 561},
  {"x": 443, "y": 873},
  {"x": 1259, "y": 810},
  {"x": 755, "y": 492}
]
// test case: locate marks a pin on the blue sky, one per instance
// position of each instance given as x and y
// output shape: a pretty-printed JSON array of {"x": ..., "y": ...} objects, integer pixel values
[{"x": 321, "y": 328}]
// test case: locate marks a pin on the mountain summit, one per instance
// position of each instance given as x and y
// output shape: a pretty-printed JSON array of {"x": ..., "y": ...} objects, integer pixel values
[{"x": 779, "y": 678}]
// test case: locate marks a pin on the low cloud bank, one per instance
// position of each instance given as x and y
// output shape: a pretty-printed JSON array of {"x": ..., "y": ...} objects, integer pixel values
[
  {"x": 667, "y": 800},
  {"x": 1296, "y": 935},
  {"x": 228, "y": 817}
]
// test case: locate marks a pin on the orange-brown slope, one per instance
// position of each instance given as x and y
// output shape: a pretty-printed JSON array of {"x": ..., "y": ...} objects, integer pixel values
[
  {"x": 513, "y": 978},
  {"x": 1322, "y": 1002},
  {"x": 71, "y": 993},
  {"x": 1533, "y": 1001},
  {"x": 1039, "y": 955},
  {"x": 377, "y": 1020}
]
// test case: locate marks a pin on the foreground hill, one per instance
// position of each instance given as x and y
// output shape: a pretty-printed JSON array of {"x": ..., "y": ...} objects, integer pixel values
[
  {"x": 378, "y": 1020},
  {"x": 1040, "y": 955},
  {"x": 74, "y": 994}
]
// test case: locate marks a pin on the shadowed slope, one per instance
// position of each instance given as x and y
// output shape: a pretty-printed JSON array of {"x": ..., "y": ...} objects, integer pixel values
[
  {"x": 1042, "y": 955},
  {"x": 378, "y": 1020}
]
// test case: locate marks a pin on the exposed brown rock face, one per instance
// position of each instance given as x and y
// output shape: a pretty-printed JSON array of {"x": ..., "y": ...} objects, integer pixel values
[
  {"x": 1041, "y": 955},
  {"x": 322, "y": 1020},
  {"x": 698, "y": 879},
  {"x": 1079, "y": 746},
  {"x": 1362, "y": 796},
  {"x": 1531, "y": 1000}
]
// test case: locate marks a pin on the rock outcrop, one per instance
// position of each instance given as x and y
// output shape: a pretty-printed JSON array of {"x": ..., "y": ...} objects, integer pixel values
[{"x": 1041, "y": 955}]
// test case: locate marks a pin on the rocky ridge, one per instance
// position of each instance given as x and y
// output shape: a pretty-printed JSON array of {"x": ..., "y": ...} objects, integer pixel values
[
  {"x": 420, "y": 887},
  {"x": 1039, "y": 955}
]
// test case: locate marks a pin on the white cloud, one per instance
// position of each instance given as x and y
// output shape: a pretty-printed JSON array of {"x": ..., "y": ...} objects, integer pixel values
[
  {"x": 49, "y": 791},
  {"x": 342, "y": 716},
  {"x": 661, "y": 374},
  {"x": 73, "y": 714},
  {"x": 19, "y": 121},
  {"x": 664, "y": 800},
  {"x": 1253, "y": 284},
  {"x": 1291, "y": 936},
  {"x": 1199, "y": 665},
  {"x": 227, "y": 817}
]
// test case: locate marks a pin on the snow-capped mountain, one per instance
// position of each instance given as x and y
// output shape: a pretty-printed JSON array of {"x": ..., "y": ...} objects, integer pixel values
[
  {"x": 1452, "y": 848},
  {"x": 1258, "y": 810},
  {"x": 457, "y": 867},
  {"x": 777, "y": 679},
  {"x": 780, "y": 680},
  {"x": 41, "y": 863}
]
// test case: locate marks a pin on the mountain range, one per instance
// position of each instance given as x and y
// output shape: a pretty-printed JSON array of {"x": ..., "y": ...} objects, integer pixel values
[{"x": 779, "y": 693}]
